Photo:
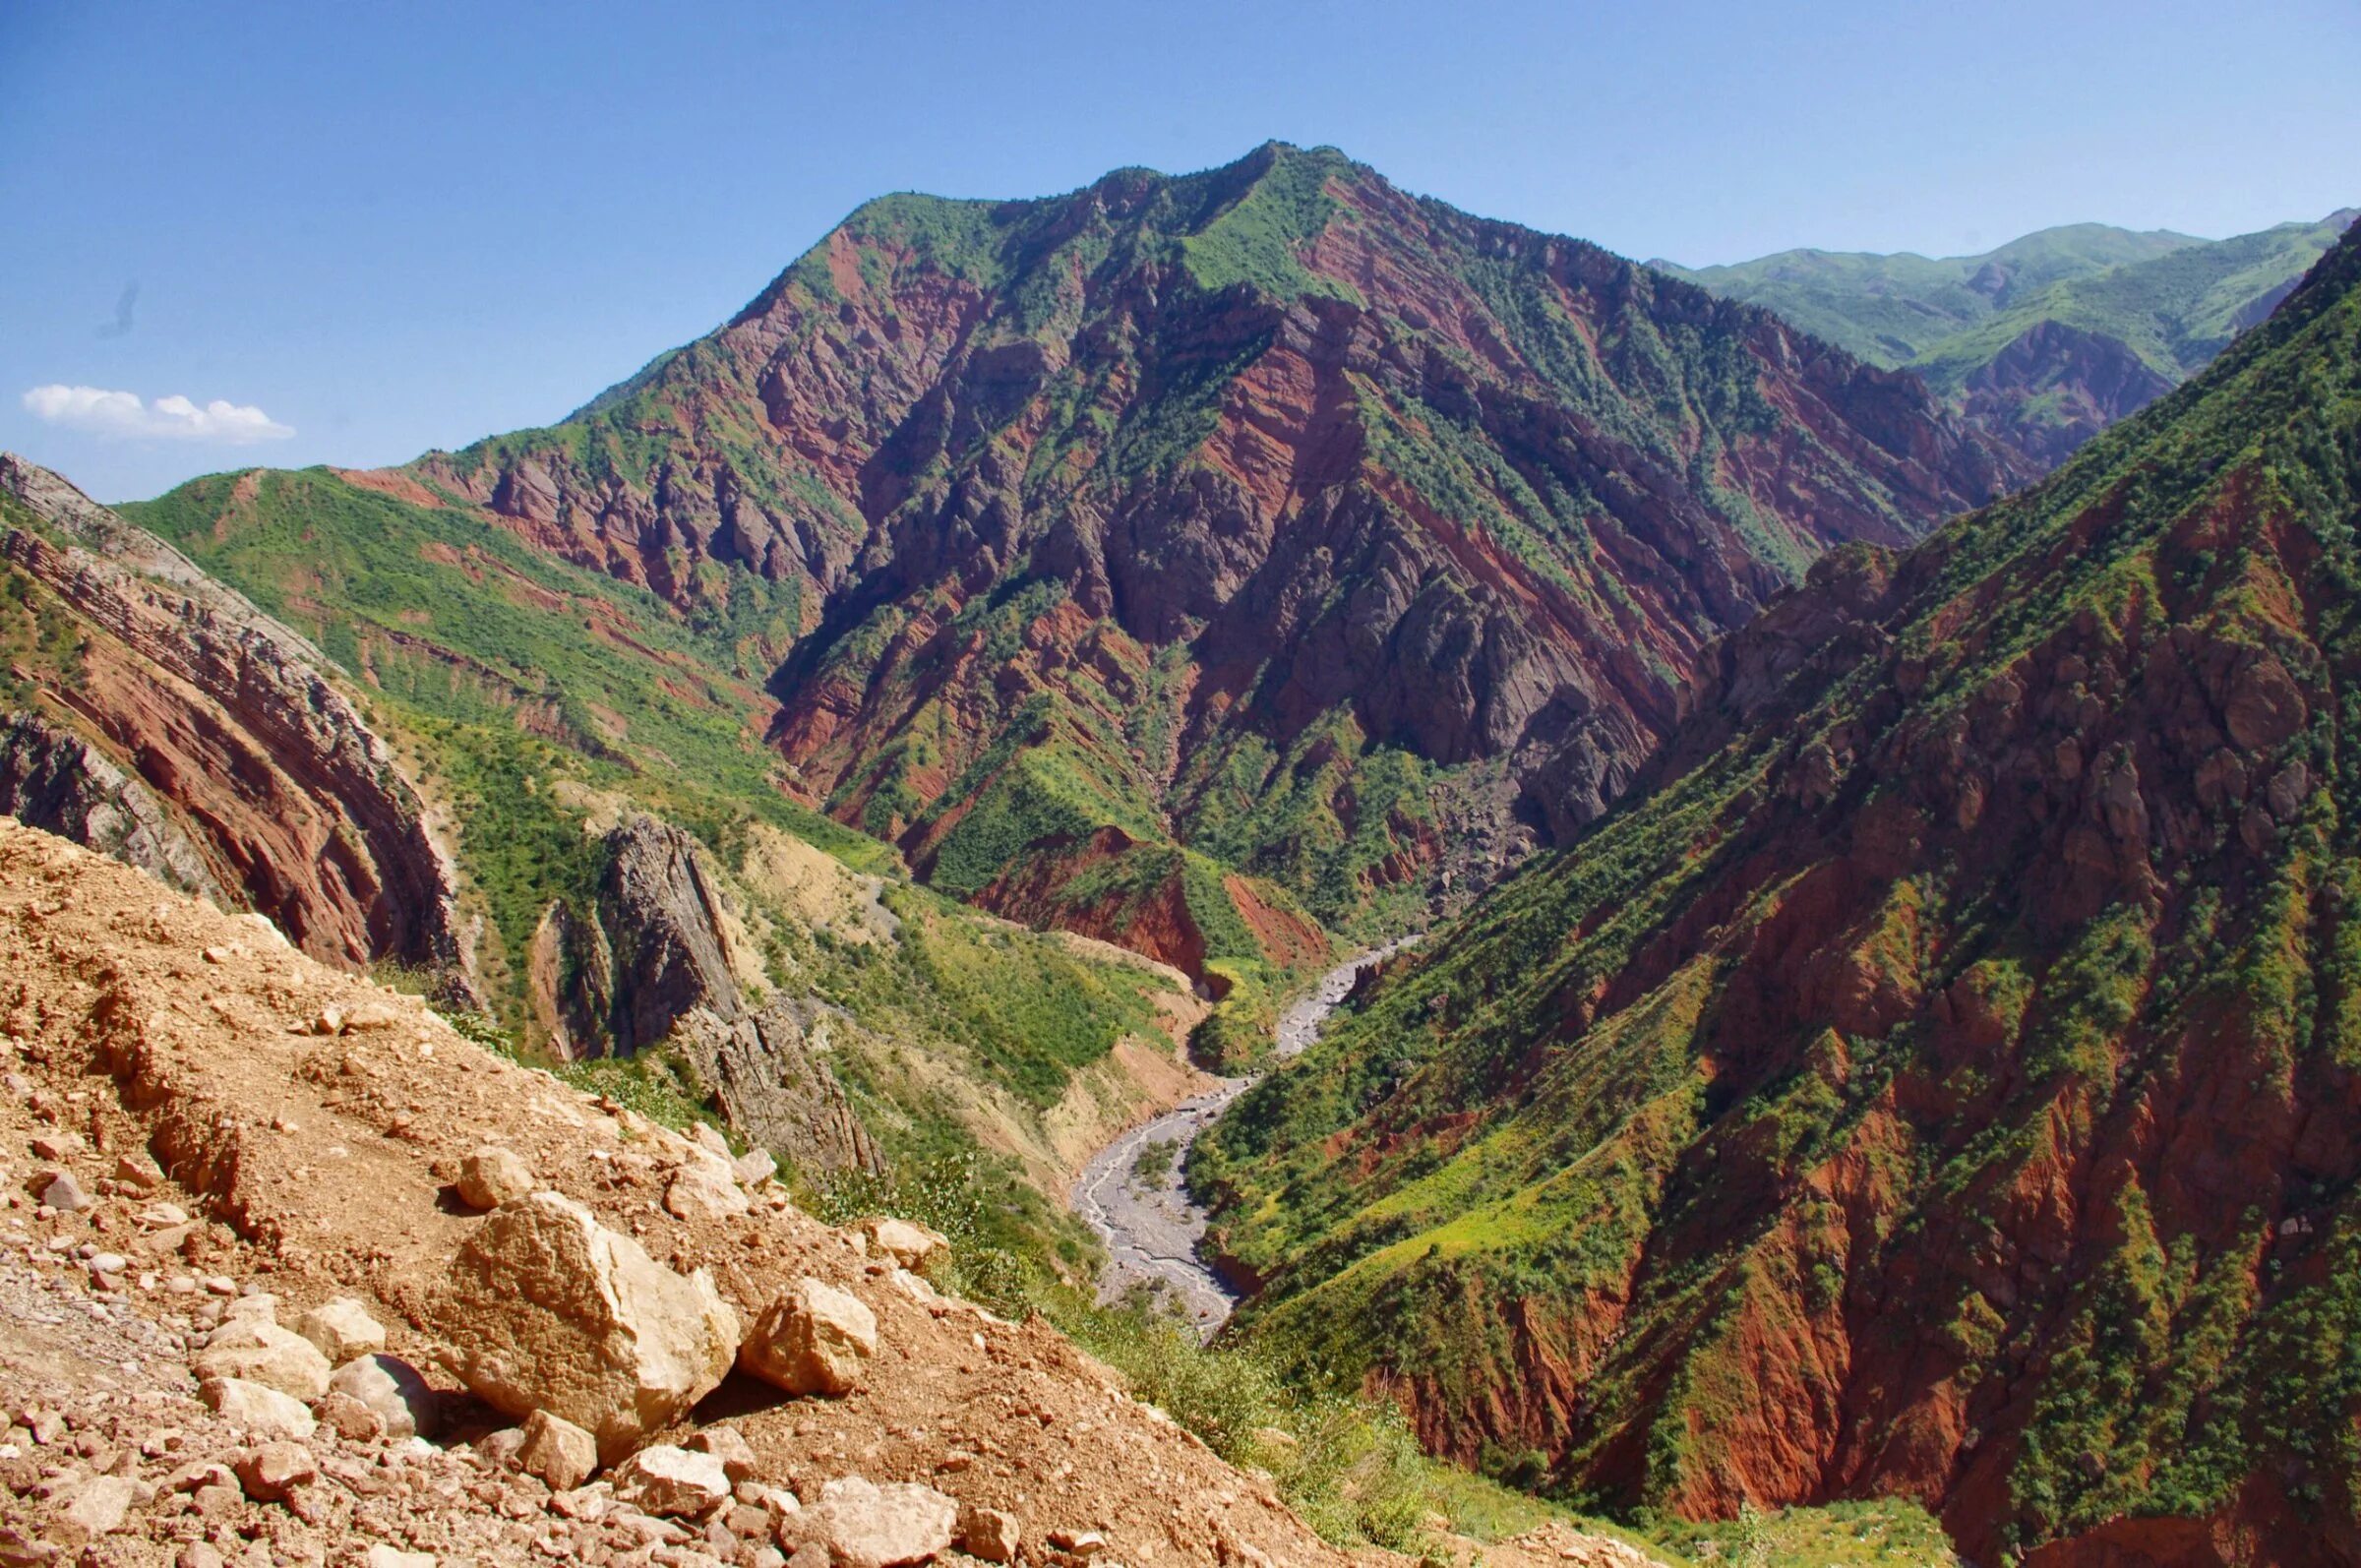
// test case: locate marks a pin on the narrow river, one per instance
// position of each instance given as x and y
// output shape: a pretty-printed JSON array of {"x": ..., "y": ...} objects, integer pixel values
[{"x": 1150, "y": 1225}]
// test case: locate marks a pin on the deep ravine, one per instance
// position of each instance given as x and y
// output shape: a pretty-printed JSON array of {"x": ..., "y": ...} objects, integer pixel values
[{"x": 1150, "y": 1224}]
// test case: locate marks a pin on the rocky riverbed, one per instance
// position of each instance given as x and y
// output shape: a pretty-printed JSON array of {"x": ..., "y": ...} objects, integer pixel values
[{"x": 1139, "y": 1207}]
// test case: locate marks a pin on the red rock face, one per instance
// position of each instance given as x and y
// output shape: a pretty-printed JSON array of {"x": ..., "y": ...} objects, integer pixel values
[
  {"x": 2056, "y": 386},
  {"x": 256, "y": 779},
  {"x": 1221, "y": 458},
  {"x": 1943, "y": 1082}
]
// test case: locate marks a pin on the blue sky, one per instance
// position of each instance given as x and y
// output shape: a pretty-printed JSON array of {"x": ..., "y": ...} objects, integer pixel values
[{"x": 357, "y": 231}]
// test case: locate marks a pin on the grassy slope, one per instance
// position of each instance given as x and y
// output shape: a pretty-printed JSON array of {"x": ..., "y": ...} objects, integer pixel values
[{"x": 1477, "y": 1134}]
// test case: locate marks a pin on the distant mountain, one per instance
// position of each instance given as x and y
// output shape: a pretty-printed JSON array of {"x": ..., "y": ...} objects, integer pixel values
[
  {"x": 2049, "y": 338},
  {"x": 1944, "y": 1077},
  {"x": 1200, "y": 561}
]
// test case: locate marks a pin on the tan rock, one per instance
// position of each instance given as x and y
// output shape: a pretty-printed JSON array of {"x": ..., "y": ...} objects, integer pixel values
[
  {"x": 342, "y": 1330},
  {"x": 867, "y": 1526},
  {"x": 547, "y": 1310},
  {"x": 273, "y": 1470},
  {"x": 666, "y": 1481},
  {"x": 703, "y": 1189},
  {"x": 382, "y": 1556},
  {"x": 813, "y": 1339},
  {"x": 906, "y": 1242},
  {"x": 390, "y": 1389},
  {"x": 348, "y": 1417},
  {"x": 987, "y": 1533},
  {"x": 258, "y": 1352},
  {"x": 729, "y": 1445},
  {"x": 96, "y": 1507},
  {"x": 257, "y": 1410},
  {"x": 492, "y": 1175},
  {"x": 260, "y": 1306},
  {"x": 561, "y": 1453}
]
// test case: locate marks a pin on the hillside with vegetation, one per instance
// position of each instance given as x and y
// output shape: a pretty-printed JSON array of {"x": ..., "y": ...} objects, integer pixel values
[
  {"x": 2048, "y": 340},
  {"x": 1208, "y": 564},
  {"x": 1943, "y": 1080}
]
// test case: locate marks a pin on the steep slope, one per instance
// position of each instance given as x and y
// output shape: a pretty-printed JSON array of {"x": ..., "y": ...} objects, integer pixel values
[
  {"x": 1943, "y": 1081},
  {"x": 1266, "y": 521},
  {"x": 2053, "y": 338},
  {"x": 639, "y": 884},
  {"x": 158, "y": 715}
]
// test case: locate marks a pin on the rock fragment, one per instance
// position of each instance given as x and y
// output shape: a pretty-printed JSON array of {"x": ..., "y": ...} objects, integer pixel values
[
  {"x": 492, "y": 1175},
  {"x": 257, "y": 1410},
  {"x": 391, "y": 1390},
  {"x": 270, "y": 1473},
  {"x": 342, "y": 1330},
  {"x": 665, "y": 1480},
  {"x": 556, "y": 1450},
  {"x": 867, "y": 1526},
  {"x": 813, "y": 1339},
  {"x": 987, "y": 1533},
  {"x": 258, "y": 1352},
  {"x": 907, "y": 1243}
]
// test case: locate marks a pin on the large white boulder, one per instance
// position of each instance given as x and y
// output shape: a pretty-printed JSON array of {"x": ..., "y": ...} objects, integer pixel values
[{"x": 547, "y": 1310}]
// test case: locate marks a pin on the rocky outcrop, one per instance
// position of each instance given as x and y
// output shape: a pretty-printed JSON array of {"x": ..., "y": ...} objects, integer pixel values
[
  {"x": 666, "y": 961},
  {"x": 55, "y": 780},
  {"x": 773, "y": 1085},
  {"x": 262, "y": 765}
]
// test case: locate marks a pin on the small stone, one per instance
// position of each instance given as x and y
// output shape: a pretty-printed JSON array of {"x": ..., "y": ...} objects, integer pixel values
[
  {"x": 137, "y": 1169},
  {"x": 108, "y": 1263},
  {"x": 63, "y": 1193},
  {"x": 97, "y": 1507},
  {"x": 908, "y": 1243},
  {"x": 220, "y": 1285},
  {"x": 57, "y": 1146},
  {"x": 198, "y": 1554},
  {"x": 704, "y": 1190},
  {"x": 729, "y": 1445},
  {"x": 814, "y": 1338},
  {"x": 368, "y": 1016},
  {"x": 258, "y": 1410},
  {"x": 348, "y": 1417},
  {"x": 342, "y": 1330},
  {"x": 392, "y": 1388},
  {"x": 867, "y": 1526},
  {"x": 382, "y": 1556},
  {"x": 254, "y": 1307},
  {"x": 504, "y": 1448},
  {"x": 754, "y": 1166},
  {"x": 665, "y": 1480},
  {"x": 269, "y": 1473},
  {"x": 987, "y": 1533},
  {"x": 492, "y": 1175},
  {"x": 556, "y": 1450},
  {"x": 162, "y": 1216},
  {"x": 1081, "y": 1543}
]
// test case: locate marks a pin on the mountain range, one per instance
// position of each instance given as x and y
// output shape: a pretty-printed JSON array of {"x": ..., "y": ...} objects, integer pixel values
[
  {"x": 1883, "y": 1026},
  {"x": 2048, "y": 340}
]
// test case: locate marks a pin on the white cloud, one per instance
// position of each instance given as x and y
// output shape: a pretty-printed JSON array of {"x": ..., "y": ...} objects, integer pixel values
[{"x": 122, "y": 414}]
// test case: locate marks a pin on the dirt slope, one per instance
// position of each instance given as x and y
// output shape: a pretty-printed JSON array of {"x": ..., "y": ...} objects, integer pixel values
[{"x": 136, "y": 1021}]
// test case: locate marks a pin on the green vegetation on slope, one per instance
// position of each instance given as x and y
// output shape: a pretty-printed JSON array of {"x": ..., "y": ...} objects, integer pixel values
[{"x": 1805, "y": 1098}]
